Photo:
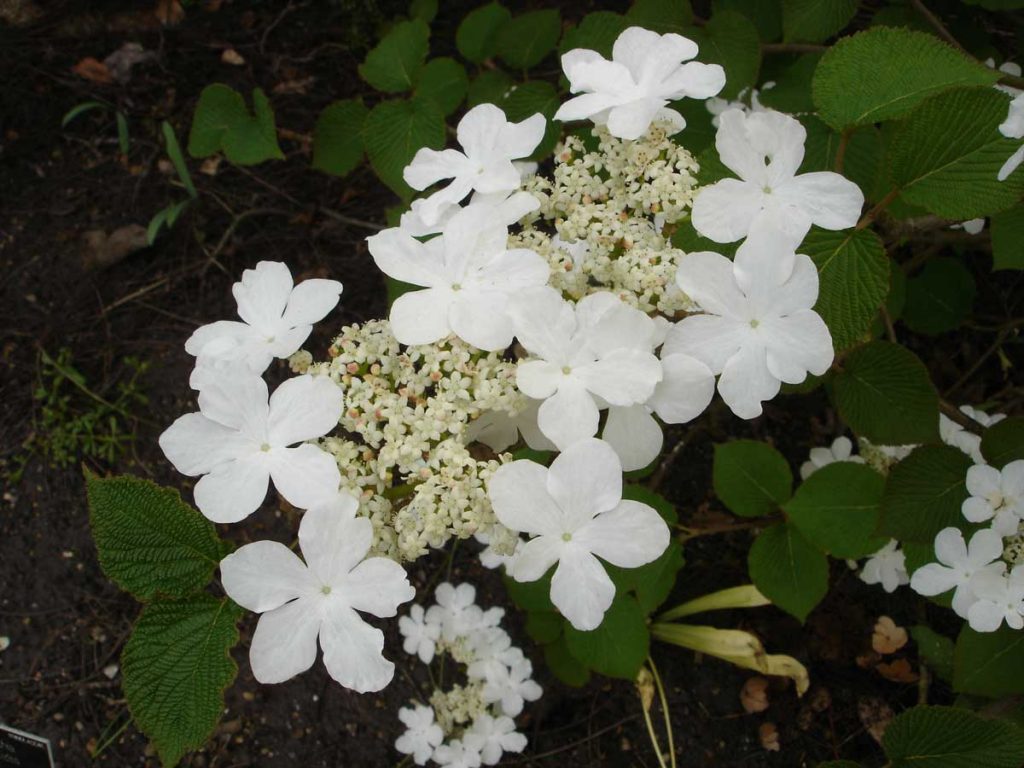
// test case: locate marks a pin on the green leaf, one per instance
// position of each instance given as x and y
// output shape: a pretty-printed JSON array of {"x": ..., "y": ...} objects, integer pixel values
[
  {"x": 1007, "y": 229},
  {"x": 544, "y": 626},
  {"x": 883, "y": 392},
  {"x": 935, "y": 649},
  {"x": 175, "y": 667},
  {"x": 178, "y": 159},
  {"x": 526, "y": 40},
  {"x": 394, "y": 131},
  {"x": 489, "y": 87},
  {"x": 156, "y": 224},
  {"x": 862, "y": 159},
  {"x": 423, "y": 9},
  {"x": 80, "y": 109},
  {"x": 651, "y": 583},
  {"x": 564, "y": 665},
  {"x": 526, "y": 99},
  {"x": 751, "y": 478},
  {"x": 222, "y": 122},
  {"x": 149, "y": 541},
  {"x": 949, "y": 737},
  {"x": 946, "y": 155},
  {"x": 338, "y": 137},
  {"x": 534, "y": 596},
  {"x": 813, "y": 21},
  {"x": 788, "y": 569},
  {"x": 645, "y": 495},
  {"x": 477, "y": 35},
  {"x": 619, "y": 646},
  {"x": 792, "y": 90},
  {"x": 392, "y": 65},
  {"x": 731, "y": 40},
  {"x": 839, "y": 764},
  {"x": 597, "y": 31},
  {"x": 686, "y": 238},
  {"x": 884, "y": 73},
  {"x": 989, "y": 663},
  {"x": 939, "y": 297},
  {"x": 924, "y": 493},
  {"x": 853, "y": 280},
  {"x": 445, "y": 82},
  {"x": 836, "y": 509},
  {"x": 766, "y": 15},
  {"x": 660, "y": 16},
  {"x": 1003, "y": 442}
]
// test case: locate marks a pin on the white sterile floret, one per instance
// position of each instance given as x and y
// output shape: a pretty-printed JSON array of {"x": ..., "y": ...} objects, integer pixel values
[
  {"x": 489, "y": 145},
  {"x": 239, "y": 441},
  {"x": 996, "y": 495},
  {"x": 999, "y": 598},
  {"x": 319, "y": 598},
  {"x": 277, "y": 317},
  {"x": 492, "y": 736},
  {"x": 598, "y": 349},
  {"x": 422, "y": 734},
  {"x": 888, "y": 567},
  {"x": 420, "y": 633},
  {"x": 647, "y": 71},
  {"x": 576, "y": 513},
  {"x": 765, "y": 150},
  {"x": 1013, "y": 128},
  {"x": 469, "y": 276},
  {"x": 959, "y": 564},
  {"x": 511, "y": 686},
  {"x": 457, "y": 754},
  {"x": 755, "y": 332},
  {"x": 747, "y": 100},
  {"x": 840, "y": 450},
  {"x": 455, "y": 610}
]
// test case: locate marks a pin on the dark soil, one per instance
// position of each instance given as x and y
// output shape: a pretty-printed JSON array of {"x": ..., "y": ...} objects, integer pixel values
[{"x": 66, "y": 622}]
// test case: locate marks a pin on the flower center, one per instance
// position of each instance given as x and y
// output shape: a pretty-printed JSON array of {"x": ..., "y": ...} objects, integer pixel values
[
  {"x": 326, "y": 589},
  {"x": 265, "y": 447},
  {"x": 456, "y": 286},
  {"x": 270, "y": 339},
  {"x": 567, "y": 536},
  {"x": 754, "y": 323},
  {"x": 566, "y": 369},
  {"x": 766, "y": 189}
]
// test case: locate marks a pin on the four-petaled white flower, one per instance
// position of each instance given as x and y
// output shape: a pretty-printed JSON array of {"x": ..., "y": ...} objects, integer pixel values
[
  {"x": 277, "y": 317},
  {"x": 420, "y": 634},
  {"x": 999, "y": 598},
  {"x": 888, "y": 567},
  {"x": 576, "y": 513},
  {"x": 765, "y": 150},
  {"x": 511, "y": 685},
  {"x": 239, "y": 441},
  {"x": 1013, "y": 128},
  {"x": 421, "y": 735},
  {"x": 319, "y": 598},
  {"x": 599, "y": 348},
  {"x": 959, "y": 564},
  {"x": 492, "y": 736},
  {"x": 457, "y": 753},
  {"x": 841, "y": 450},
  {"x": 489, "y": 145},
  {"x": 469, "y": 275},
  {"x": 756, "y": 333},
  {"x": 647, "y": 71},
  {"x": 996, "y": 495}
]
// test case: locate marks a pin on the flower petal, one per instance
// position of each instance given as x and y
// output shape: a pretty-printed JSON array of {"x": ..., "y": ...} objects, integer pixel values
[
  {"x": 933, "y": 579},
  {"x": 708, "y": 279},
  {"x": 581, "y": 589},
  {"x": 284, "y": 643},
  {"x": 403, "y": 257},
  {"x": 983, "y": 480},
  {"x": 196, "y": 445},
  {"x": 621, "y": 377},
  {"x": 724, "y": 211},
  {"x": 479, "y": 318},
  {"x": 828, "y": 199},
  {"x": 796, "y": 345},
  {"x": 303, "y": 408},
  {"x": 585, "y": 480},
  {"x": 629, "y": 536},
  {"x": 950, "y": 547},
  {"x": 353, "y": 650},
  {"x": 536, "y": 557},
  {"x": 262, "y": 294},
  {"x": 421, "y": 317},
  {"x": 711, "y": 339},
  {"x": 333, "y": 544},
  {"x": 569, "y": 415},
  {"x": 265, "y": 575},
  {"x": 305, "y": 476},
  {"x": 519, "y": 495},
  {"x": 634, "y": 434},
  {"x": 311, "y": 301},
  {"x": 378, "y": 586},
  {"x": 430, "y": 166},
  {"x": 520, "y": 139},
  {"x": 538, "y": 378},
  {"x": 544, "y": 324},
  {"x": 630, "y": 121},
  {"x": 239, "y": 402},
  {"x": 233, "y": 491},
  {"x": 746, "y": 382},
  {"x": 685, "y": 390}
]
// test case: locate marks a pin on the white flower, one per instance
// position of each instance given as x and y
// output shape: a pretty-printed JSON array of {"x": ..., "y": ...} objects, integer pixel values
[
  {"x": 239, "y": 442},
  {"x": 422, "y": 734},
  {"x": 886, "y": 567},
  {"x": 469, "y": 276},
  {"x": 840, "y": 450},
  {"x": 1007, "y": 68},
  {"x": 456, "y": 611},
  {"x": 575, "y": 510},
  {"x": 502, "y": 207},
  {"x": 420, "y": 634},
  {"x": 633, "y": 89},
  {"x": 598, "y": 349},
  {"x": 985, "y": 419},
  {"x": 999, "y": 598},
  {"x": 1013, "y": 128},
  {"x": 717, "y": 106},
  {"x": 955, "y": 435},
  {"x": 277, "y": 317},
  {"x": 765, "y": 150},
  {"x": 971, "y": 226},
  {"x": 996, "y": 495},
  {"x": 319, "y": 598},
  {"x": 511, "y": 686},
  {"x": 489, "y": 145},
  {"x": 457, "y": 754},
  {"x": 756, "y": 333},
  {"x": 490, "y": 559},
  {"x": 494, "y": 735},
  {"x": 498, "y": 431},
  {"x": 958, "y": 565}
]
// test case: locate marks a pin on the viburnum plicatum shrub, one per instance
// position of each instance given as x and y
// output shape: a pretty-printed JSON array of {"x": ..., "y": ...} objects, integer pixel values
[{"x": 551, "y": 316}]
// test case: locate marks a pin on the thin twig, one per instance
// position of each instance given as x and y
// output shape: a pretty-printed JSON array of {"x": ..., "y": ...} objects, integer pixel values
[
  {"x": 954, "y": 414},
  {"x": 871, "y": 215},
  {"x": 936, "y": 23},
  {"x": 1000, "y": 338},
  {"x": 844, "y": 140}
]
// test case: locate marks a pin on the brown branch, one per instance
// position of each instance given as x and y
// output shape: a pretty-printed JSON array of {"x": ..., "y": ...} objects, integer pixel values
[
  {"x": 936, "y": 23},
  {"x": 956, "y": 415},
  {"x": 871, "y": 215}
]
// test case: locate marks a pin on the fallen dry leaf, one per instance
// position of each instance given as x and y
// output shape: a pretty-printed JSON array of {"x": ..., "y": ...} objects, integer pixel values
[
  {"x": 887, "y": 637},
  {"x": 875, "y": 715},
  {"x": 121, "y": 61},
  {"x": 232, "y": 57},
  {"x": 91, "y": 69},
  {"x": 299, "y": 85},
  {"x": 868, "y": 659},
  {"x": 169, "y": 12},
  {"x": 754, "y": 694},
  {"x": 898, "y": 671},
  {"x": 210, "y": 165},
  {"x": 103, "y": 250},
  {"x": 769, "y": 736}
]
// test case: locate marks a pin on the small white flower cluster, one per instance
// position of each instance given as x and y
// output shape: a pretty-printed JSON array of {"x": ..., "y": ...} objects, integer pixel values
[{"x": 468, "y": 724}]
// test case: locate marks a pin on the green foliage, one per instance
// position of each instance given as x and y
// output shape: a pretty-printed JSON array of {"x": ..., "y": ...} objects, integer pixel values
[
  {"x": 765, "y": 14},
  {"x": 490, "y": 86},
  {"x": 1008, "y": 239},
  {"x": 223, "y": 123},
  {"x": 862, "y": 157},
  {"x": 883, "y": 73},
  {"x": 884, "y": 393},
  {"x": 477, "y": 35},
  {"x": 1003, "y": 442},
  {"x": 619, "y": 646},
  {"x": 526, "y": 40},
  {"x": 661, "y": 16},
  {"x": 788, "y": 569},
  {"x": 853, "y": 279},
  {"x": 564, "y": 665},
  {"x": 812, "y": 21},
  {"x": 338, "y": 137},
  {"x": 836, "y": 509},
  {"x": 149, "y": 541},
  {"x": 175, "y": 668},
  {"x": 751, "y": 478},
  {"x": 945, "y": 156},
  {"x": 394, "y": 131},
  {"x": 989, "y": 663},
  {"x": 391, "y": 67},
  {"x": 947, "y": 737},
  {"x": 939, "y": 297},
  {"x": 178, "y": 159},
  {"x": 924, "y": 493},
  {"x": 527, "y": 99},
  {"x": 597, "y": 31},
  {"x": 935, "y": 649},
  {"x": 444, "y": 81},
  {"x": 731, "y": 40}
]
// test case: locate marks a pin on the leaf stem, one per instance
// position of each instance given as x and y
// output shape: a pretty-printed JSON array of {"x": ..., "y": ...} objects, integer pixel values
[
  {"x": 844, "y": 140},
  {"x": 871, "y": 215},
  {"x": 956, "y": 415},
  {"x": 664, "y": 709}
]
